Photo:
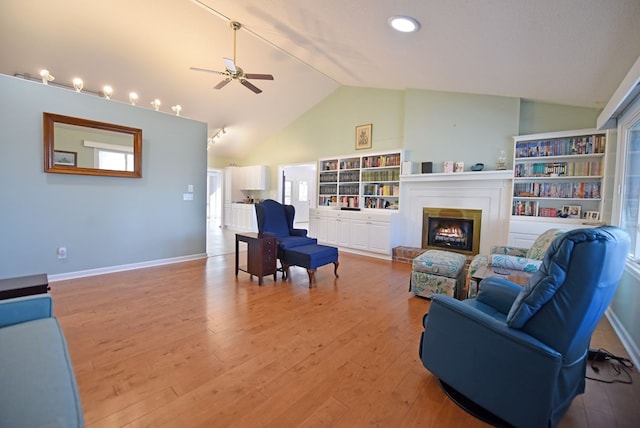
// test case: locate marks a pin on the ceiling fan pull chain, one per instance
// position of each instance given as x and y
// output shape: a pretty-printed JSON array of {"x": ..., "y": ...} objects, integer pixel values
[{"x": 235, "y": 34}]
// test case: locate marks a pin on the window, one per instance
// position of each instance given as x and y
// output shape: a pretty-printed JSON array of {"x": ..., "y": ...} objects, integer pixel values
[
  {"x": 287, "y": 192},
  {"x": 629, "y": 164},
  {"x": 303, "y": 193},
  {"x": 114, "y": 160},
  {"x": 116, "y": 157}
]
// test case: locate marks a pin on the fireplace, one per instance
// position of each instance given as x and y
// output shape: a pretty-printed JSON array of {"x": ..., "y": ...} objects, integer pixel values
[{"x": 451, "y": 229}]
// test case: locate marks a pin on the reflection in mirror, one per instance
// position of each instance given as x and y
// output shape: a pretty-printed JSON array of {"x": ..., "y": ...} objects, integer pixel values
[{"x": 80, "y": 146}]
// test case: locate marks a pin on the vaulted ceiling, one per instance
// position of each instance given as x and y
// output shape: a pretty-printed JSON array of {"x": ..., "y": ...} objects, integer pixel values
[{"x": 572, "y": 52}]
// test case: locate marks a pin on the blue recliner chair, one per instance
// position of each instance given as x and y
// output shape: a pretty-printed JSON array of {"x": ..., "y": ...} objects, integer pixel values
[
  {"x": 277, "y": 219},
  {"x": 521, "y": 353}
]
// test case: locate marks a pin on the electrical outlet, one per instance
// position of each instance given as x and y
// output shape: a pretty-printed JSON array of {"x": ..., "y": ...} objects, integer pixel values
[{"x": 61, "y": 252}]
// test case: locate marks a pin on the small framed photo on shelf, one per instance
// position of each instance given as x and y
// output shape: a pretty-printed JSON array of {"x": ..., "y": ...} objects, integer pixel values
[
  {"x": 592, "y": 216},
  {"x": 571, "y": 211},
  {"x": 64, "y": 158},
  {"x": 363, "y": 136}
]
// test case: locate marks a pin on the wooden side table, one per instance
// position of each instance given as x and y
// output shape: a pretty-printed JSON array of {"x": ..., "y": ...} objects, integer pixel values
[
  {"x": 261, "y": 254},
  {"x": 516, "y": 276}
]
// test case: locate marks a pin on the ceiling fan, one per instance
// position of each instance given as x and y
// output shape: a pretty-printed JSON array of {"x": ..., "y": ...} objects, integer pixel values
[{"x": 233, "y": 72}]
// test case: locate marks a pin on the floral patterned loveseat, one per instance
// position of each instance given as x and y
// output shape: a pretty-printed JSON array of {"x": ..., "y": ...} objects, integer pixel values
[{"x": 516, "y": 258}]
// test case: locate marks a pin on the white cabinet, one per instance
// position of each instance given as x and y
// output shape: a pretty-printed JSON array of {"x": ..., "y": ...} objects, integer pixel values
[
  {"x": 359, "y": 238},
  {"x": 338, "y": 227},
  {"x": 364, "y": 232},
  {"x": 242, "y": 217},
  {"x": 255, "y": 177},
  {"x": 239, "y": 178},
  {"x": 379, "y": 236},
  {"x": 371, "y": 232},
  {"x": 228, "y": 217},
  {"x": 318, "y": 224},
  {"x": 524, "y": 231}
]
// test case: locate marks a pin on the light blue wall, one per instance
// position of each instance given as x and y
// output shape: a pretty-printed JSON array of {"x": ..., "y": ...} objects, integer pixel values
[
  {"x": 626, "y": 307},
  {"x": 103, "y": 221}
]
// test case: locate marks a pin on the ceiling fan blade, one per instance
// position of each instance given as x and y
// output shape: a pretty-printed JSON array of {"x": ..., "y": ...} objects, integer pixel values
[
  {"x": 258, "y": 76},
  {"x": 222, "y": 83},
  {"x": 251, "y": 86},
  {"x": 231, "y": 66},
  {"x": 206, "y": 70}
]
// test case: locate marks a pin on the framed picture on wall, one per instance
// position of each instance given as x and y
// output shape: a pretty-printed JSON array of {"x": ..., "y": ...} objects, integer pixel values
[
  {"x": 363, "y": 136},
  {"x": 61, "y": 157}
]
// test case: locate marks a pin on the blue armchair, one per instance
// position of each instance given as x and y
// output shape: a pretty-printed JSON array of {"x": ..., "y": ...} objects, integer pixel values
[
  {"x": 521, "y": 353},
  {"x": 277, "y": 219}
]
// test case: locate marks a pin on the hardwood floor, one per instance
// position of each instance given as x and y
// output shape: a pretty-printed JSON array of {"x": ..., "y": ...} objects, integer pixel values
[{"x": 189, "y": 345}]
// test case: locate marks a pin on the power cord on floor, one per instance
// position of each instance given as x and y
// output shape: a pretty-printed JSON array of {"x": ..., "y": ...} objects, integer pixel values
[{"x": 618, "y": 365}]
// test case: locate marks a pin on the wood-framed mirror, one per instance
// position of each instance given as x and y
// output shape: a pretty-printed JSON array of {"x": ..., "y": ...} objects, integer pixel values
[{"x": 87, "y": 147}]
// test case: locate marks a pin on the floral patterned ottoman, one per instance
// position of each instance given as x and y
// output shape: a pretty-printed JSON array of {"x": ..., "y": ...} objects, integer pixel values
[{"x": 438, "y": 272}]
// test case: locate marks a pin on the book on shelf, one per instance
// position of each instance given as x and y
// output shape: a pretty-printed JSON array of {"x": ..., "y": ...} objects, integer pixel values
[
  {"x": 558, "y": 169},
  {"x": 579, "y": 190},
  {"x": 579, "y": 145},
  {"x": 548, "y": 212},
  {"x": 379, "y": 161},
  {"x": 525, "y": 208},
  {"x": 380, "y": 203}
]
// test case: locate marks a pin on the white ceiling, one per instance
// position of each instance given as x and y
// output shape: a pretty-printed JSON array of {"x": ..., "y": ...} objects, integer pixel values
[{"x": 573, "y": 52}]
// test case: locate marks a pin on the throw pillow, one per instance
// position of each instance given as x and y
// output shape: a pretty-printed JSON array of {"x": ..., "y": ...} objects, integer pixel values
[
  {"x": 515, "y": 263},
  {"x": 541, "y": 244}
]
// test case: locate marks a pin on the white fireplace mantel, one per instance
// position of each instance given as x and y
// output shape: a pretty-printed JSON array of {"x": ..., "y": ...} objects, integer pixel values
[
  {"x": 459, "y": 176},
  {"x": 489, "y": 191}
]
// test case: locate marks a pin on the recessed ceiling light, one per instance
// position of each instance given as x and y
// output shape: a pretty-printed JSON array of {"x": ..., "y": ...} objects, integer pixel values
[{"x": 405, "y": 24}]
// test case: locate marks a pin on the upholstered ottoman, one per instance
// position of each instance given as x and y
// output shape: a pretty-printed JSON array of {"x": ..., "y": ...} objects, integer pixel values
[
  {"x": 310, "y": 257},
  {"x": 438, "y": 272}
]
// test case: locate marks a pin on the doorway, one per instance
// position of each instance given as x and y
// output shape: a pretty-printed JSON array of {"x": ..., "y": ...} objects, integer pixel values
[
  {"x": 297, "y": 187},
  {"x": 215, "y": 239}
]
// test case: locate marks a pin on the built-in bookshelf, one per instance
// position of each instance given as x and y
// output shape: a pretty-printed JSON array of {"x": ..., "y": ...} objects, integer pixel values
[
  {"x": 559, "y": 175},
  {"x": 368, "y": 181}
]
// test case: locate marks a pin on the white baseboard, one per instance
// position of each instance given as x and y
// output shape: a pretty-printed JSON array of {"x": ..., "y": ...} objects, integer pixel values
[
  {"x": 121, "y": 268},
  {"x": 629, "y": 345}
]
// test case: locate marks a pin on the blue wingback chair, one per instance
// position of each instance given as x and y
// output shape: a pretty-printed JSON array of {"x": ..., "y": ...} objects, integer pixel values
[
  {"x": 521, "y": 353},
  {"x": 277, "y": 219}
]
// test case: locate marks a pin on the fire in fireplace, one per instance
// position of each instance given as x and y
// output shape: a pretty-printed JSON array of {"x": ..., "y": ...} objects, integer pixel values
[{"x": 451, "y": 229}]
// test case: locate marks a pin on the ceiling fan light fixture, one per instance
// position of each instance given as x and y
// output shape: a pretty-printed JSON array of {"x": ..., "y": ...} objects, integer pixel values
[{"x": 404, "y": 24}]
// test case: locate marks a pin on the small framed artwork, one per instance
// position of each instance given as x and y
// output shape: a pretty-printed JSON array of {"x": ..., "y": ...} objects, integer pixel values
[
  {"x": 571, "y": 211},
  {"x": 363, "y": 136},
  {"x": 592, "y": 215},
  {"x": 61, "y": 157}
]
